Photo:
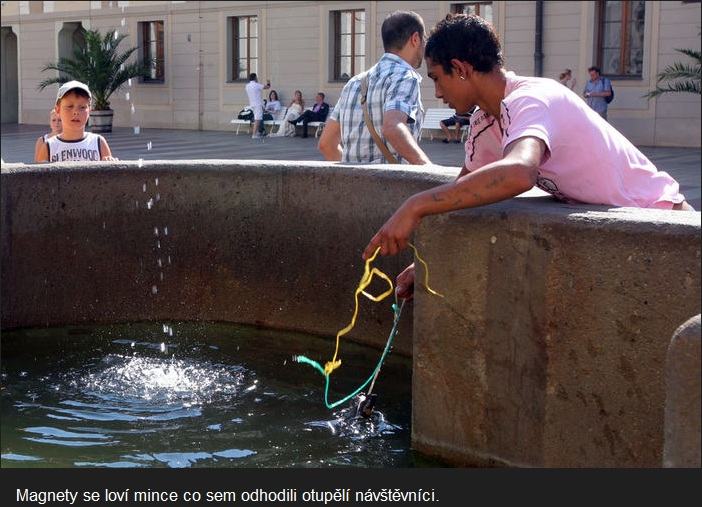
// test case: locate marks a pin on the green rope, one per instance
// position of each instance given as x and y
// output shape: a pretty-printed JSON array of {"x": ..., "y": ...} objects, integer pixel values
[{"x": 304, "y": 359}]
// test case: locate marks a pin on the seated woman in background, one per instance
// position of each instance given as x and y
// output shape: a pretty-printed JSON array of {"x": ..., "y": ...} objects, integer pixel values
[
  {"x": 55, "y": 126},
  {"x": 273, "y": 105},
  {"x": 294, "y": 110}
]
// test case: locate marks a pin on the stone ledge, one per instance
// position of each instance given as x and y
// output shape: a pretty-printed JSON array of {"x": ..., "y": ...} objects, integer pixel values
[
  {"x": 683, "y": 392},
  {"x": 549, "y": 348}
]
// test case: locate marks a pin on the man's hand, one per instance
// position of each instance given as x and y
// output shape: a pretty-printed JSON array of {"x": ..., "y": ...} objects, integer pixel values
[
  {"x": 404, "y": 284},
  {"x": 393, "y": 235}
]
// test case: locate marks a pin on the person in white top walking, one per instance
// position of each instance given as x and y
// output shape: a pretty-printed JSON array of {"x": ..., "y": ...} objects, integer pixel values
[{"x": 253, "y": 90}]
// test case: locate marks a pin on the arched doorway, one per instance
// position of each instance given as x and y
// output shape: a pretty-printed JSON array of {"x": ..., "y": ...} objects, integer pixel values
[
  {"x": 70, "y": 38},
  {"x": 9, "y": 81}
]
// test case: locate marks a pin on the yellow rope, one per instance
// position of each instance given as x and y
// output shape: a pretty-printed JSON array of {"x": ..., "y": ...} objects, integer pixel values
[
  {"x": 426, "y": 271},
  {"x": 366, "y": 280}
]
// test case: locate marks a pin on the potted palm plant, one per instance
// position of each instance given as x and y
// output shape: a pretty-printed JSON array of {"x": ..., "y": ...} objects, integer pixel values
[
  {"x": 101, "y": 66},
  {"x": 680, "y": 77}
]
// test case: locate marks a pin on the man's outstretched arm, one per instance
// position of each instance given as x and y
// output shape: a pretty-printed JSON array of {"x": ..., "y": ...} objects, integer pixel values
[{"x": 500, "y": 180}]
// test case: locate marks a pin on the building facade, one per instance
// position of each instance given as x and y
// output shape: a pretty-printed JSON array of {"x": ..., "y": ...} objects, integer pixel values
[{"x": 203, "y": 52}]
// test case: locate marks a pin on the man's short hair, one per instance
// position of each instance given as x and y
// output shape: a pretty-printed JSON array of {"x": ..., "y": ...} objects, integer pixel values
[
  {"x": 595, "y": 68},
  {"x": 253, "y": 76},
  {"x": 322, "y": 94},
  {"x": 467, "y": 38},
  {"x": 398, "y": 27}
]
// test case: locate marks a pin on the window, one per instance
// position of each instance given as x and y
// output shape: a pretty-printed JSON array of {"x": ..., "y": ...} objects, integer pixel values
[
  {"x": 620, "y": 38},
  {"x": 482, "y": 9},
  {"x": 243, "y": 31},
  {"x": 349, "y": 43},
  {"x": 152, "y": 40}
]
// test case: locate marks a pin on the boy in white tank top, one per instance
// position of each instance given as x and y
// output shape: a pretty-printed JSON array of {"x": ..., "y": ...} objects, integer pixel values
[{"x": 74, "y": 144}]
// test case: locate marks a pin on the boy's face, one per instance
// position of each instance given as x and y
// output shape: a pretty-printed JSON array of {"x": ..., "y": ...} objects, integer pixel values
[{"x": 74, "y": 111}]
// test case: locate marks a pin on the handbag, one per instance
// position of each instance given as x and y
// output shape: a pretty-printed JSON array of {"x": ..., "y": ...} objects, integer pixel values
[
  {"x": 246, "y": 114},
  {"x": 366, "y": 117}
]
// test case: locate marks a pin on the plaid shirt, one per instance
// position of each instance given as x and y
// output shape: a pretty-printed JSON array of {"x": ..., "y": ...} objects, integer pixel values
[{"x": 392, "y": 85}]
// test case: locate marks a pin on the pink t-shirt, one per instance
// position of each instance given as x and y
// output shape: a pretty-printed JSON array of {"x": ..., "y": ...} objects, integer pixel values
[{"x": 589, "y": 161}]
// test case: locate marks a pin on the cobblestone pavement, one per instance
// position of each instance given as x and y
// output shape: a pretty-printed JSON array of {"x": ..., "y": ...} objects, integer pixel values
[{"x": 17, "y": 142}]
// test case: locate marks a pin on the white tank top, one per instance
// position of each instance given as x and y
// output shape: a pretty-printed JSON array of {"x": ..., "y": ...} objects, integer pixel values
[{"x": 85, "y": 149}]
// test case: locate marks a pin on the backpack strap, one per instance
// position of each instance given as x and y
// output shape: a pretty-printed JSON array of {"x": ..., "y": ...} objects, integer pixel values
[{"x": 366, "y": 117}]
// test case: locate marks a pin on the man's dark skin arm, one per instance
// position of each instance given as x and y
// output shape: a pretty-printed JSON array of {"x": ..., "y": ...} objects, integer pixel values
[{"x": 512, "y": 175}]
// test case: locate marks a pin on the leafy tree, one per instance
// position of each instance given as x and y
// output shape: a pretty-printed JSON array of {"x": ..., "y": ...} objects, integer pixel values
[
  {"x": 680, "y": 77},
  {"x": 100, "y": 65}
]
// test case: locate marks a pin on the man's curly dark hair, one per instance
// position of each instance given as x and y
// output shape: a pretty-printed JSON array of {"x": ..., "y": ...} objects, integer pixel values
[{"x": 467, "y": 38}]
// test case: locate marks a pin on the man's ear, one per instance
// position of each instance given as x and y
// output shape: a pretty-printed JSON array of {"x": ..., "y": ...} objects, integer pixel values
[{"x": 462, "y": 69}]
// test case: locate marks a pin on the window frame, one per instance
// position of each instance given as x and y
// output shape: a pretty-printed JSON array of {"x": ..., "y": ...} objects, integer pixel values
[
  {"x": 143, "y": 27},
  {"x": 624, "y": 49},
  {"x": 455, "y": 7},
  {"x": 336, "y": 57},
  {"x": 234, "y": 58}
]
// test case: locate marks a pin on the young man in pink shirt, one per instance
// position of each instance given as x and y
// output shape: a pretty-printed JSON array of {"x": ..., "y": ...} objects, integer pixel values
[{"x": 528, "y": 131}]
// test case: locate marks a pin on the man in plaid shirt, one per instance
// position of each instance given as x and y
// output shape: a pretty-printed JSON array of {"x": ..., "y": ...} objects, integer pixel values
[{"x": 394, "y": 101}]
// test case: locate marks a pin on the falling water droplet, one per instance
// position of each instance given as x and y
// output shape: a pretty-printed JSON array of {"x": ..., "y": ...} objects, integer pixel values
[
  {"x": 116, "y": 34},
  {"x": 158, "y": 244},
  {"x": 149, "y": 203},
  {"x": 170, "y": 331},
  {"x": 132, "y": 344},
  {"x": 121, "y": 67},
  {"x": 156, "y": 181},
  {"x": 126, "y": 96},
  {"x": 160, "y": 264},
  {"x": 155, "y": 231},
  {"x": 144, "y": 187},
  {"x": 163, "y": 347},
  {"x": 137, "y": 129},
  {"x": 129, "y": 81},
  {"x": 148, "y": 145},
  {"x": 104, "y": 226},
  {"x": 165, "y": 328},
  {"x": 158, "y": 197},
  {"x": 161, "y": 276},
  {"x": 154, "y": 289},
  {"x": 165, "y": 231},
  {"x": 124, "y": 20},
  {"x": 136, "y": 203},
  {"x": 132, "y": 108},
  {"x": 285, "y": 362},
  {"x": 169, "y": 259}
]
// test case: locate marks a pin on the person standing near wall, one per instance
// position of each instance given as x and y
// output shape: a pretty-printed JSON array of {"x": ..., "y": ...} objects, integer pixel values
[
  {"x": 253, "y": 91},
  {"x": 566, "y": 79},
  {"x": 393, "y": 99},
  {"x": 597, "y": 89}
]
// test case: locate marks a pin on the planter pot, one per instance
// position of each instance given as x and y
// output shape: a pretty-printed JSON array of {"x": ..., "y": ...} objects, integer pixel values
[{"x": 101, "y": 121}]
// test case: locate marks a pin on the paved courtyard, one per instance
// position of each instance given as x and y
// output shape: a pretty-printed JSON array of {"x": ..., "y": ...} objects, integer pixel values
[{"x": 17, "y": 143}]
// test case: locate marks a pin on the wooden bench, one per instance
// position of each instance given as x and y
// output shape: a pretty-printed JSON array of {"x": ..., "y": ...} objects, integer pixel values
[{"x": 434, "y": 115}]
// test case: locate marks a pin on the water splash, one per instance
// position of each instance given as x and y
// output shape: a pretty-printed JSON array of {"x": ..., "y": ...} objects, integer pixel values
[{"x": 140, "y": 162}]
